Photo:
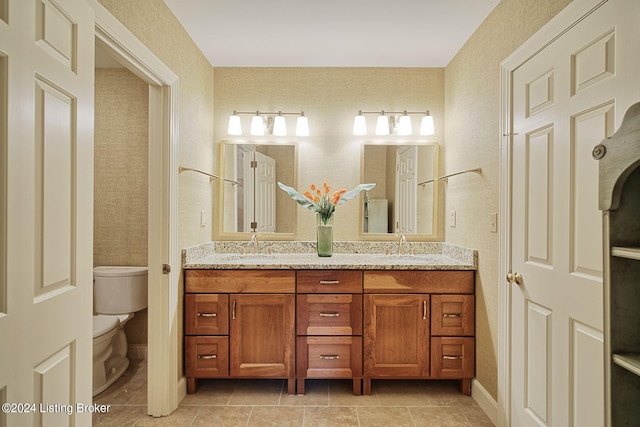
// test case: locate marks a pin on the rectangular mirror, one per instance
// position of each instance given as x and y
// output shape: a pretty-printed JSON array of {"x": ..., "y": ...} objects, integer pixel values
[
  {"x": 405, "y": 197},
  {"x": 253, "y": 203}
]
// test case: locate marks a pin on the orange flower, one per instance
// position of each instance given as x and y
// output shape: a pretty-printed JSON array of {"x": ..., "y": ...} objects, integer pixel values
[
  {"x": 326, "y": 187},
  {"x": 316, "y": 199},
  {"x": 308, "y": 195},
  {"x": 313, "y": 187}
]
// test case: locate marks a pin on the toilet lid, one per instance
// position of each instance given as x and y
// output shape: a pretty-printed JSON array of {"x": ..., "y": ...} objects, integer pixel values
[{"x": 103, "y": 324}]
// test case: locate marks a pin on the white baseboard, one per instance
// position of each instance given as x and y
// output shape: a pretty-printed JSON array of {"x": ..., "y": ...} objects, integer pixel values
[
  {"x": 486, "y": 402},
  {"x": 182, "y": 389}
]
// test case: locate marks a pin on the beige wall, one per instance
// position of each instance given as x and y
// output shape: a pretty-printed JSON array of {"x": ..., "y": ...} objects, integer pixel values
[
  {"x": 154, "y": 24},
  {"x": 471, "y": 134},
  {"x": 330, "y": 98},
  {"x": 121, "y": 177}
]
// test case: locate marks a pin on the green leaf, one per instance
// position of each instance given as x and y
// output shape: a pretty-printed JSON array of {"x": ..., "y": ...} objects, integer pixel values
[
  {"x": 302, "y": 200},
  {"x": 353, "y": 193}
]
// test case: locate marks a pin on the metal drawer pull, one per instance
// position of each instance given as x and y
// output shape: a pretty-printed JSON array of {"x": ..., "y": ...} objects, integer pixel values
[
  {"x": 424, "y": 310},
  {"x": 329, "y": 356},
  {"x": 451, "y": 314},
  {"x": 452, "y": 357},
  {"x": 207, "y": 356},
  {"x": 208, "y": 314},
  {"x": 233, "y": 310},
  {"x": 329, "y": 282},
  {"x": 334, "y": 314}
]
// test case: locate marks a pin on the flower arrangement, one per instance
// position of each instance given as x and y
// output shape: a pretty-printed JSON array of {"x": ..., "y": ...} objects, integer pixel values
[{"x": 321, "y": 201}]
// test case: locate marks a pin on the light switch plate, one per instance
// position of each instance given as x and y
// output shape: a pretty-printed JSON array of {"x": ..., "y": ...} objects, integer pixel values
[
  {"x": 452, "y": 218},
  {"x": 203, "y": 218},
  {"x": 493, "y": 222}
]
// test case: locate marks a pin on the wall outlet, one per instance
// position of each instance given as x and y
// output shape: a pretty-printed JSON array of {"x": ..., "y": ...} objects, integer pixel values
[
  {"x": 203, "y": 218},
  {"x": 493, "y": 222},
  {"x": 452, "y": 218}
]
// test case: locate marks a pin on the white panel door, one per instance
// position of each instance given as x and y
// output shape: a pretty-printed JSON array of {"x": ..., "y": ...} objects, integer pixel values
[
  {"x": 265, "y": 197},
  {"x": 406, "y": 189},
  {"x": 566, "y": 98},
  {"x": 46, "y": 170}
]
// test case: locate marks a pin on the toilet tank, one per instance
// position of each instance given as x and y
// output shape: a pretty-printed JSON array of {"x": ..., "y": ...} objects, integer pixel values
[{"x": 119, "y": 289}]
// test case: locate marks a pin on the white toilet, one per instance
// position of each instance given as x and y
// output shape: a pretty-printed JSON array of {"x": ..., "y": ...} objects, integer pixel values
[{"x": 118, "y": 292}]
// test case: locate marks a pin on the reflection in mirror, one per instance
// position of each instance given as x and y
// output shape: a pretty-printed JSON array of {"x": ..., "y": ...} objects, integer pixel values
[
  {"x": 401, "y": 202},
  {"x": 254, "y": 205}
]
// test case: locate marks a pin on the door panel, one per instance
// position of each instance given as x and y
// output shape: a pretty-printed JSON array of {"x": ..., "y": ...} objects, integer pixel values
[
  {"x": 565, "y": 100},
  {"x": 47, "y": 207}
]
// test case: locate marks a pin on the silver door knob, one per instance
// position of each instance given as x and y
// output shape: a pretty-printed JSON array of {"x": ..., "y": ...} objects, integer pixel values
[{"x": 514, "y": 278}]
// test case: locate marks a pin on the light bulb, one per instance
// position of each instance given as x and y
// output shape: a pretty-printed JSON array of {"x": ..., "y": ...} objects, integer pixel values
[
  {"x": 382, "y": 125},
  {"x": 426, "y": 128},
  {"x": 279, "y": 126},
  {"x": 235, "y": 127},
  {"x": 360, "y": 125},
  {"x": 404, "y": 125},
  {"x": 302, "y": 126},
  {"x": 257, "y": 125}
]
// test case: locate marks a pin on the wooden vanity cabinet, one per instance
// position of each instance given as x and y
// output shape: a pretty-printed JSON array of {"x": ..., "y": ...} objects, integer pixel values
[
  {"x": 239, "y": 324},
  {"x": 419, "y": 324},
  {"x": 329, "y": 326}
]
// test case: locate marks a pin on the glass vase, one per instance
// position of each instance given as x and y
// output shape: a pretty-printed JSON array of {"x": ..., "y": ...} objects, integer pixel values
[{"x": 325, "y": 234}]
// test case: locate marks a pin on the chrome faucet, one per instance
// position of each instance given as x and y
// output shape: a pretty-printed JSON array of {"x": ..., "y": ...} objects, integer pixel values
[
  {"x": 401, "y": 240},
  {"x": 254, "y": 242}
]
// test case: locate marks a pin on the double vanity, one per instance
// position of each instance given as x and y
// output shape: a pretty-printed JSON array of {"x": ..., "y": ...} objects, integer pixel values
[{"x": 361, "y": 314}]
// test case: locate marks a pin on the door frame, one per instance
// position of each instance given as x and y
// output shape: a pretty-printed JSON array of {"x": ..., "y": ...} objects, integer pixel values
[
  {"x": 575, "y": 12},
  {"x": 165, "y": 390}
]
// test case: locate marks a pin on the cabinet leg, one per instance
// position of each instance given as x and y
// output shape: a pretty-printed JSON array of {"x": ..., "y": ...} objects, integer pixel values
[
  {"x": 465, "y": 386},
  {"x": 192, "y": 385},
  {"x": 366, "y": 386},
  {"x": 357, "y": 386},
  {"x": 300, "y": 385},
  {"x": 291, "y": 385}
]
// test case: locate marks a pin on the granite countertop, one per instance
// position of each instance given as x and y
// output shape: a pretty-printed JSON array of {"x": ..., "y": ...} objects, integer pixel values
[{"x": 346, "y": 256}]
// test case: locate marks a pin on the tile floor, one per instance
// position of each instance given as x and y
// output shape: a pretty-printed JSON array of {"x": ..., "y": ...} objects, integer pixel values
[{"x": 265, "y": 403}]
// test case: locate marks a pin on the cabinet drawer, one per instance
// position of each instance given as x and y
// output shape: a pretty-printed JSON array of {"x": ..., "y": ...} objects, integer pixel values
[
  {"x": 430, "y": 282},
  {"x": 240, "y": 281},
  {"x": 329, "y": 281},
  {"x": 206, "y": 314},
  {"x": 329, "y": 357},
  {"x": 206, "y": 357},
  {"x": 329, "y": 314},
  {"x": 452, "y": 357},
  {"x": 452, "y": 315}
]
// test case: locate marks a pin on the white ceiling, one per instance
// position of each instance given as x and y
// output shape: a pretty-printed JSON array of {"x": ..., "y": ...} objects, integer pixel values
[{"x": 330, "y": 33}]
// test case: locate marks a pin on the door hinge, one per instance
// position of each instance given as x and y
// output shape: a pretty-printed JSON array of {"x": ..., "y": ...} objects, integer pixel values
[
  {"x": 166, "y": 269},
  {"x": 254, "y": 224},
  {"x": 254, "y": 164}
]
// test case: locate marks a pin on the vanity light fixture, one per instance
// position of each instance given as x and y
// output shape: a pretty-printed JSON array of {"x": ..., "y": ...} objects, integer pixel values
[
  {"x": 267, "y": 123},
  {"x": 398, "y": 122}
]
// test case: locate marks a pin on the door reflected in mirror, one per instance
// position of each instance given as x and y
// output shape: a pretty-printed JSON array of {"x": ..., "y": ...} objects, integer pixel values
[
  {"x": 253, "y": 204},
  {"x": 405, "y": 197}
]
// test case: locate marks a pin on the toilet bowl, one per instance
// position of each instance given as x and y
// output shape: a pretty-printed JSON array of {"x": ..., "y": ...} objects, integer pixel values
[{"x": 118, "y": 292}]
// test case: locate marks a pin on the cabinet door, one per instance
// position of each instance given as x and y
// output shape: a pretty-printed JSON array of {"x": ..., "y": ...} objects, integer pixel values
[
  {"x": 262, "y": 335},
  {"x": 396, "y": 335}
]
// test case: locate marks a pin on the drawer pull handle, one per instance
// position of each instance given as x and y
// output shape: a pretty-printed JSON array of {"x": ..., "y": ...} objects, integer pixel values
[
  {"x": 329, "y": 356},
  {"x": 233, "y": 310},
  {"x": 451, "y": 314},
  {"x": 452, "y": 357},
  {"x": 329, "y": 282},
  {"x": 334, "y": 314},
  {"x": 424, "y": 310},
  {"x": 207, "y": 356},
  {"x": 208, "y": 314}
]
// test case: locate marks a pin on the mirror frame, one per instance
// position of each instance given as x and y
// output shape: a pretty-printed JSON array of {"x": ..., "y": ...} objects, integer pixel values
[
  {"x": 436, "y": 236},
  {"x": 246, "y": 235}
]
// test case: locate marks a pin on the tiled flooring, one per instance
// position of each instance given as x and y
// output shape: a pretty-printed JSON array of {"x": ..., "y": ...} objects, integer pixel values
[{"x": 265, "y": 403}]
